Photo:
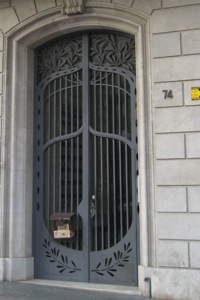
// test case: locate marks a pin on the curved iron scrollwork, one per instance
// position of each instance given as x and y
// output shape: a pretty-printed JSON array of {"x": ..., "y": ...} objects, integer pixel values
[
  {"x": 63, "y": 263},
  {"x": 112, "y": 50},
  {"x": 105, "y": 50},
  {"x": 61, "y": 55},
  {"x": 110, "y": 264}
]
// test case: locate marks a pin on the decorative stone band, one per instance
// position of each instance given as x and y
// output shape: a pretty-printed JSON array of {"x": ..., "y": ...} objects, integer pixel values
[{"x": 72, "y": 7}]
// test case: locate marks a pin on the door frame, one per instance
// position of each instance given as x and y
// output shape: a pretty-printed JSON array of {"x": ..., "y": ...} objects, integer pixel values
[{"x": 18, "y": 127}]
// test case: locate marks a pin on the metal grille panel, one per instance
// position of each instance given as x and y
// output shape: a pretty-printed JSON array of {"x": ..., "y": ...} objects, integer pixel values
[
  {"x": 86, "y": 157},
  {"x": 63, "y": 150}
]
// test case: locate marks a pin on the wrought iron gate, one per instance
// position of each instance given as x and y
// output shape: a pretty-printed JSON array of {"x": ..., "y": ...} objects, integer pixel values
[{"x": 86, "y": 159}]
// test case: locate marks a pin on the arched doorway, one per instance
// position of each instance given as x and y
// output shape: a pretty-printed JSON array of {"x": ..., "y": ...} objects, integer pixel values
[{"x": 86, "y": 159}]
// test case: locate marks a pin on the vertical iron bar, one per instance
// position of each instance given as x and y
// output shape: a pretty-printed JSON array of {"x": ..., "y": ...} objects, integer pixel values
[
  {"x": 108, "y": 164},
  {"x": 60, "y": 149},
  {"x": 114, "y": 168},
  {"x": 48, "y": 184},
  {"x": 125, "y": 110},
  {"x": 72, "y": 150},
  {"x": 119, "y": 104},
  {"x": 72, "y": 175},
  {"x": 67, "y": 175},
  {"x": 101, "y": 163},
  {"x": 120, "y": 189},
  {"x": 48, "y": 156},
  {"x": 120, "y": 159},
  {"x": 126, "y": 154},
  {"x": 95, "y": 161},
  {"x": 54, "y": 145},
  {"x": 127, "y": 194},
  {"x": 77, "y": 165},
  {"x": 66, "y": 160},
  {"x": 86, "y": 178}
]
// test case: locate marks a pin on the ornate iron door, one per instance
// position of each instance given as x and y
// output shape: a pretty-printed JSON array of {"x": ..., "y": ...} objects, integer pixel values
[{"x": 86, "y": 160}]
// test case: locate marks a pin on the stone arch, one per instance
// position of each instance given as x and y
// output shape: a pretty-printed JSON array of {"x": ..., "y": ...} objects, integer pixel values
[{"x": 21, "y": 42}]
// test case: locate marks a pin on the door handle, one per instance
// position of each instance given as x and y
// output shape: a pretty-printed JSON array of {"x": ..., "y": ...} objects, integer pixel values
[{"x": 93, "y": 206}]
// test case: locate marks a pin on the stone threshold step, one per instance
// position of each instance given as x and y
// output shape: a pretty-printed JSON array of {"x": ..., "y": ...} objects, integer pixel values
[{"x": 119, "y": 289}]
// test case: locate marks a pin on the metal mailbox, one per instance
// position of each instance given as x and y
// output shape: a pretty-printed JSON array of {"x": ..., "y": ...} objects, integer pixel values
[{"x": 62, "y": 225}]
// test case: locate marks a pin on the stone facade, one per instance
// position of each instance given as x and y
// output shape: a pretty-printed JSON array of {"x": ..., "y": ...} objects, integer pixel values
[{"x": 168, "y": 48}]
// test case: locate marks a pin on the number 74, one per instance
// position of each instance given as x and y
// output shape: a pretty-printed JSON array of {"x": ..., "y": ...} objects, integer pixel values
[{"x": 167, "y": 94}]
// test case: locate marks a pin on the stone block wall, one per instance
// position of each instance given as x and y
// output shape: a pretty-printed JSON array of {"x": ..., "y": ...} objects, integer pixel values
[
  {"x": 175, "y": 68},
  {"x": 175, "y": 33}
]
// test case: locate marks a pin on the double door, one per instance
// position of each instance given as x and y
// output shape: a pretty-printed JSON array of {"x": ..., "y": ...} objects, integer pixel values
[{"x": 86, "y": 159}]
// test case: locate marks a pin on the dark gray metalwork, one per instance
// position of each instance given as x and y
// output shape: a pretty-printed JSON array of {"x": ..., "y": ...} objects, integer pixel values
[{"x": 86, "y": 158}]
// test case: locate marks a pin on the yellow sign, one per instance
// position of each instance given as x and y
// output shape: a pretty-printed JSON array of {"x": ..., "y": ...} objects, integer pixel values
[{"x": 195, "y": 93}]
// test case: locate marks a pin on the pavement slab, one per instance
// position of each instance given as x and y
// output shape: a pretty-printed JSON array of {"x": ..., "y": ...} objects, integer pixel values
[{"x": 30, "y": 291}]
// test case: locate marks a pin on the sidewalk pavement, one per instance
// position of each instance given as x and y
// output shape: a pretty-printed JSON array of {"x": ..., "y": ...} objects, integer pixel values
[{"x": 32, "y": 290}]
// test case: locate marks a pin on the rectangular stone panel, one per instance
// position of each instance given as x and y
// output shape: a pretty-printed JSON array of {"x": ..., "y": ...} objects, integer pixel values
[
  {"x": 161, "y": 99},
  {"x": 167, "y": 44},
  {"x": 126, "y": 3},
  {"x": 171, "y": 199},
  {"x": 108, "y": 1},
  {"x": 194, "y": 198},
  {"x": 0, "y": 130},
  {"x": 146, "y": 6},
  {"x": 1, "y": 61},
  {"x": 178, "y": 226},
  {"x": 169, "y": 146},
  {"x": 1, "y": 84},
  {"x": 193, "y": 145},
  {"x": 1, "y": 41},
  {"x": 177, "y": 119},
  {"x": 190, "y": 42},
  {"x": 176, "y": 68},
  {"x": 187, "y": 92},
  {"x": 24, "y": 9},
  {"x": 172, "y": 254},
  {"x": 195, "y": 255},
  {"x": 178, "y": 172},
  {"x": 44, "y": 4},
  {"x": 4, "y": 3},
  {"x": 1, "y": 99},
  {"x": 175, "y": 3},
  {"x": 179, "y": 284},
  {"x": 8, "y": 19},
  {"x": 175, "y": 19}
]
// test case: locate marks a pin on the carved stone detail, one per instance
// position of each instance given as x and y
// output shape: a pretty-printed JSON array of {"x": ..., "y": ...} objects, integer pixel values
[{"x": 71, "y": 7}]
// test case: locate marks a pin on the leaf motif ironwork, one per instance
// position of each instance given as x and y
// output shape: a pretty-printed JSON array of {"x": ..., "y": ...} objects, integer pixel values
[
  {"x": 62, "y": 262},
  {"x": 110, "y": 264},
  {"x": 62, "y": 54},
  {"x": 112, "y": 50}
]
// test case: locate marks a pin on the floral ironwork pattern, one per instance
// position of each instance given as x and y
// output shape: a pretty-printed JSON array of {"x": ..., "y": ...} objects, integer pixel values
[
  {"x": 110, "y": 264},
  {"x": 63, "y": 263},
  {"x": 112, "y": 50},
  {"x": 61, "y": 55}
]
